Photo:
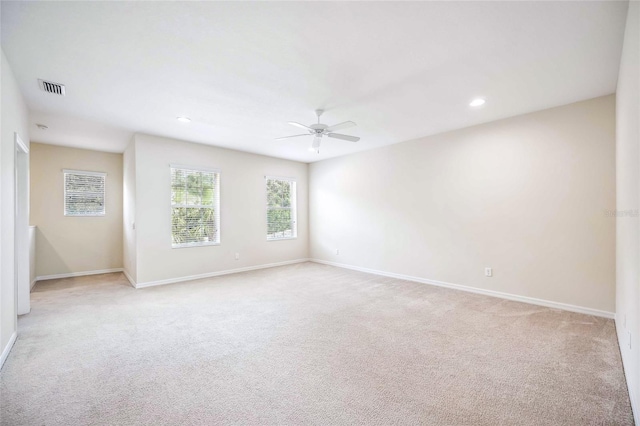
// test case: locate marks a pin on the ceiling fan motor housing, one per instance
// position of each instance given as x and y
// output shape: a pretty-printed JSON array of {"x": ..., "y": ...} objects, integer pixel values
[{"x": 319, "y": 128}]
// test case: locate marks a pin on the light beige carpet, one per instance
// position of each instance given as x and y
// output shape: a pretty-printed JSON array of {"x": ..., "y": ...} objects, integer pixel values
[{"x": 305, "y": 344}]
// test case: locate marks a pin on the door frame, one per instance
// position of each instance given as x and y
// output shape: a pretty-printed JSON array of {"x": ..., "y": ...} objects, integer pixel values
[{"x": 21, "y": 226}]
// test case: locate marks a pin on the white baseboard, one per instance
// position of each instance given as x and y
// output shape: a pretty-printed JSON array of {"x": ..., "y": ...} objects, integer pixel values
[
  {"x": 78, "y": 274},
  {"x": 33, "y": 283},
  {"x": 7, "y": 349},
  {"x": 218, "y": 273},
  {"x": 131, "y": 280},
  {"x": 632, "y": 397},
  {"x": 508, "y": 296}
]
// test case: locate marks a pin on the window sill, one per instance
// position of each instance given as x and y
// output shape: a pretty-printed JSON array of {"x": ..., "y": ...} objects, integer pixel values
[{"x": 181, "y": 246}]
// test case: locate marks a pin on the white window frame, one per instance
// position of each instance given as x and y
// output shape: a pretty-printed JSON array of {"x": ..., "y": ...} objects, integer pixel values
[
  {"x": 293, "y": 208},
  {"x": 216, "y": 205},
  {"x": 66, "y": 172}
]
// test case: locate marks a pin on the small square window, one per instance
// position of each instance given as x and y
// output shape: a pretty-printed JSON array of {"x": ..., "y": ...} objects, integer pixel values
[{"x": 84, "y": 193}]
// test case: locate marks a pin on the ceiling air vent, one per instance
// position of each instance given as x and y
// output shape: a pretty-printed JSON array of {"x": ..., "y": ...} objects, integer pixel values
[{"x": 50, "y": 87}]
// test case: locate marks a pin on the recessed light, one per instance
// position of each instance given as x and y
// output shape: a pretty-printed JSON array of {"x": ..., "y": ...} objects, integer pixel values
[
  {"x": 477, "y": 102},
  {"x": 183, "y": 119},
  {"x": 41, "y": 126}
]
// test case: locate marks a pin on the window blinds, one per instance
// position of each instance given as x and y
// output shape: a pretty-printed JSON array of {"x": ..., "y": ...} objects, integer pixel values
[
  {"x": 84, "y": 193},
  {"x": 195, "y": 202},
  {"x": 281, "y": 208}
]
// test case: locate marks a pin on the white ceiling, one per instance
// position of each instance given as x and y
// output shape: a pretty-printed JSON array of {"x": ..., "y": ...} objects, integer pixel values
[{"x": 242, "y": 70}]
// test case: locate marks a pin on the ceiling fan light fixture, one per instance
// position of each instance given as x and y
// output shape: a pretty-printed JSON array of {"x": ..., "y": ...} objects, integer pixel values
[
  {"x": 477, "y": 102},
  {"x": 183, "y": 119},
  {"x": 315, "y": 145}
]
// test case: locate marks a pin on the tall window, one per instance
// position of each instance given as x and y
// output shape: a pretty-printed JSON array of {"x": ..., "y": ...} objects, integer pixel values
[
  {"x": 84, "y": 193},
  {"x": 195, "y": 207},
  {"x": 281, "y": 208}
]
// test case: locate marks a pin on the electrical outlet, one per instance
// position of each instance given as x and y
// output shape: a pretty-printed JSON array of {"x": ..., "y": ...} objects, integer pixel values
[
  {"x": 488, "y": 272},
  {"x": 237, "y": 256},
  {"x": 337, "y": 251}
]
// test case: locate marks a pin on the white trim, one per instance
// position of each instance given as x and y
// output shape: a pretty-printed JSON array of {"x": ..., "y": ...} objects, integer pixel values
[
  {"x": 21, "y": 245},
  {"x": 620, "y": 338},
  {"x": 131, "y": 280},
  {"x": 78, "y": 274},
  {"x": 84, "y": 172},
  {"x": 190, "y": 245},
  {"x": 31, "y": 227},
  {"x": 493, "y": 293},
  {"x": 289, "y": 179},
  {"x": 20, "y": 145},
  {"x": 195, "y": 168},
  {"x": 218, "y": 273},
  {"x": 7, "y": 349}
]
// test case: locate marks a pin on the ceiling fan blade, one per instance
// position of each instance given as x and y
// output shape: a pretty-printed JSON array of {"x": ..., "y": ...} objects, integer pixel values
[
  {"x": 344, "y": 137},
  {"x": 302, "y": 126},
  {"x": 293, "y": 136},
  {"x": 340, "y": 126}
]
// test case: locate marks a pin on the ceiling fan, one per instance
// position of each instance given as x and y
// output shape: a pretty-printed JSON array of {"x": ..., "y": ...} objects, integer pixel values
[{"x": 319, "y": 130}]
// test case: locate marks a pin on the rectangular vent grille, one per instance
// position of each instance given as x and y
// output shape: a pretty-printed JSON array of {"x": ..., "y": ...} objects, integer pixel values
[{"x": 50, "y": 87}]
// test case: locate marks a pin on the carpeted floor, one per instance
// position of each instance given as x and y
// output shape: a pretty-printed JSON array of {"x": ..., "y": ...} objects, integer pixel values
[{"x": 305, "y": 344}]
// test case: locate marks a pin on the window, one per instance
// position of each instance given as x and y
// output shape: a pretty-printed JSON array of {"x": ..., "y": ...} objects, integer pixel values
[
  {"x": 84, "y": 193},
  {"x": 281, "y": 208},
  {"x": 195, "y": 207}
]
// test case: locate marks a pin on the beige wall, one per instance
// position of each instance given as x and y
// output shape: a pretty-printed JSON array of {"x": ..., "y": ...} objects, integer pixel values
[
  {"x": 525, "y": 196},
  {"x": 14, "y": 119},
  {"x": 628, "y": 201},
  {"x": 242, "y": 210},
  {"x": 74, "y": 244}
]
